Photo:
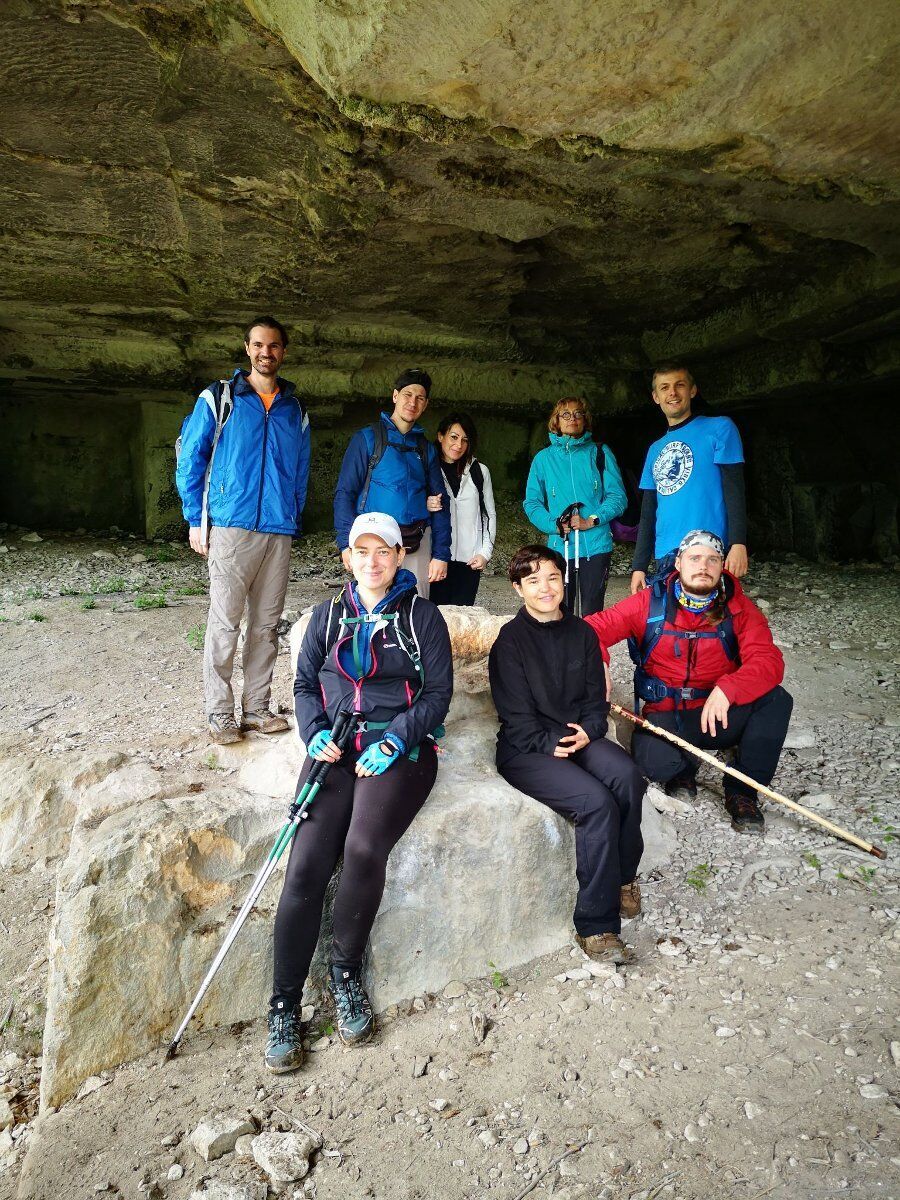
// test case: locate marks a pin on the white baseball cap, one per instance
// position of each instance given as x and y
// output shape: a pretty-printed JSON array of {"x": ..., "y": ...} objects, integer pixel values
[{"x": 381, "y": 524}]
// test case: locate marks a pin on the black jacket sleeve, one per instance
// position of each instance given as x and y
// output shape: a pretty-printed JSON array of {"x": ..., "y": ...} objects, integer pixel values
[
  {"x": 514, "y": 702},
  {"x": 428, "y": 712},
  {"x": 595, "y": 707},
  {"x": 643, "y": 547},
  {"x": 308, "y": 706},
  {"x": 735, "y": 502}
]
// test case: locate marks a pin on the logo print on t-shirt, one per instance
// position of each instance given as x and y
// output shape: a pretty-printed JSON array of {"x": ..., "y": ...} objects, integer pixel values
[{"x": 673, "y": 467}]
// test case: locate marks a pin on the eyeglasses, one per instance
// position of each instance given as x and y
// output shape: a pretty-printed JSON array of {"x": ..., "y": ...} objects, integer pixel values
[{"x": 577, "y": 415}]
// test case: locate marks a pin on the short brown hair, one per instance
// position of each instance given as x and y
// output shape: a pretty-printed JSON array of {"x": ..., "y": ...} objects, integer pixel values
[
  {"x": 666, "y": 368},
  {"x": 553, "y": 423},
  {"x": 267, "y": 323},
  {"x": 524, "y": 561}
]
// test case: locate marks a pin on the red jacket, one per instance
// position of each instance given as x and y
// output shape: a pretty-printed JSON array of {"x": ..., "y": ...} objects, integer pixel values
[{"x": 760, "y": 666}]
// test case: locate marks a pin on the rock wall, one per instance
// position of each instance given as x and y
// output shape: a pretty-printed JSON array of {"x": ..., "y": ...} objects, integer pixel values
[{"x": 540, "y": 203}]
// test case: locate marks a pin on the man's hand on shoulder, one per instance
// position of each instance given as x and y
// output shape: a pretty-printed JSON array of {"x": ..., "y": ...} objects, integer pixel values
[
  {"x": 198, "y": 545},
  {"x": 737, "y": 562},
  {"x": 638, "y": 581},
  {"x": 437, "y": 570}
]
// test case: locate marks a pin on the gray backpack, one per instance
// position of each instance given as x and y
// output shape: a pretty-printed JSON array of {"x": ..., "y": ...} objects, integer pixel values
[{"x": 221, "y": 405}]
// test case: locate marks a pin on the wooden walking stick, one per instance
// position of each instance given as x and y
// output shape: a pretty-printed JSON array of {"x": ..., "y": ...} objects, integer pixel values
[{"x": 869, "y": 848}]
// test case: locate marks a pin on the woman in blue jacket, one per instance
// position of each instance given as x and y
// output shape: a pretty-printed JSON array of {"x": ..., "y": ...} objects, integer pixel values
[
  {"x": 574, "y": 469},
  {"x": 379, "y": 650}
]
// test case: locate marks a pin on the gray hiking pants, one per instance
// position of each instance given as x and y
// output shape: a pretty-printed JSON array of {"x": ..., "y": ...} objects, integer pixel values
[
  {"x": 419, "y": 562},
  {"x": 245, "y": 570}
]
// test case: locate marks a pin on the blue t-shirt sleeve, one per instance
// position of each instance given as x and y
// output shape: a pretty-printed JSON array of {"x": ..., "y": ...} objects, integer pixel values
[{"x": 727, "y": 447}]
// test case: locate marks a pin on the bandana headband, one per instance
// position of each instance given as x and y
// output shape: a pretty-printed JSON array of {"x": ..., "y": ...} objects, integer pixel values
[{"x": 702, "y": 537}]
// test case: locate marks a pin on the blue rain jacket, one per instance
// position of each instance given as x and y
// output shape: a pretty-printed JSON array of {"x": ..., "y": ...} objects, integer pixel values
[
  {"x": 566, "y": 471},
  {"x": 261, "y": 465}
]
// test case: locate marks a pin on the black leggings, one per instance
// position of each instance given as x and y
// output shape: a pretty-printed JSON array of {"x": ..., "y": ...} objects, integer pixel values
[{"x": 363, "y": 819}]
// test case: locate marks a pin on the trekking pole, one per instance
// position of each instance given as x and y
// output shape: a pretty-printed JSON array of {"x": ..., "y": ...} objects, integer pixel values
[
  {"x": 563, "y": 524},
  {"x": 875, "y": 851},
  {"x": 577, "y": 576},
  {"x": 340, "y": 735}
]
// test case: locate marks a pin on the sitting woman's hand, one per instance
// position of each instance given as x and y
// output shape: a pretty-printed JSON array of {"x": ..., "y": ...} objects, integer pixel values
[
  {"x": 572, "y": 742},
  {"x": 376, "y": 759},
  {"x": 322, "y": 748}
]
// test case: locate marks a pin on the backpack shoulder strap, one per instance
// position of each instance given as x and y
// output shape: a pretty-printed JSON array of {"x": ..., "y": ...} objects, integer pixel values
[
  {"x": 422, "y": 449},
  {"x": 728, "y": 636},
  {"x": 601, "y": 458},
  {"x": 380, "y": 445},
  {"x": 656, "y": 619}
]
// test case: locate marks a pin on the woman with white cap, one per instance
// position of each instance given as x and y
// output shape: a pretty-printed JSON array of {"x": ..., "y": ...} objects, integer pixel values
[{"x": 381, "y": 651}]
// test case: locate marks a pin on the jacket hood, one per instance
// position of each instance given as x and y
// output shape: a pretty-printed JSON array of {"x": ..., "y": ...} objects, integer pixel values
[{"x": 564, "y": 442}]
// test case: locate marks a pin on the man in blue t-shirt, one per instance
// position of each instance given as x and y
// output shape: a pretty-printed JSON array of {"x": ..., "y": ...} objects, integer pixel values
[{"x": 693, "y": 478}]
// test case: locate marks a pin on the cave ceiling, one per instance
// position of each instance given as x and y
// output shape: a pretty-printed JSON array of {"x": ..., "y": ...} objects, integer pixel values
[{"x": 588, "y": 183}]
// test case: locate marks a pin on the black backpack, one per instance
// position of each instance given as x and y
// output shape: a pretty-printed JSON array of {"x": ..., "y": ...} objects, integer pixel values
[{"x": 381, "y": 441}]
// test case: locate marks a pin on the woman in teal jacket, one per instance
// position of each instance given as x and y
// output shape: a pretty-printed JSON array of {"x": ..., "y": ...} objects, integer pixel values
[{"x": 574, "y": 469}]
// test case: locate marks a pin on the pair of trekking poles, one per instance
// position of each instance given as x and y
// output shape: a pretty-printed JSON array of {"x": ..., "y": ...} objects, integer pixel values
[
  {"x": 344, "y": 728},
  {"x": 563, "y": 525}
]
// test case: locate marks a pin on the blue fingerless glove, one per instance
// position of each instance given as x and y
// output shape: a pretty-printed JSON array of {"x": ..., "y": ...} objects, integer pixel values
[
  {"x": 318, "y": 742},
  {"x": 376, "y": 759}
]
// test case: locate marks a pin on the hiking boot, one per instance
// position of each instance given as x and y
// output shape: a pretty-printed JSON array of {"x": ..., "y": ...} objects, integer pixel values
[
  {"x": 745, "y": 813},
  {"x": 630, "y": 899},
  {"x": 284, "y": 1049},
  {"x": 355, "y": 1022},
  {"x": 685, "y": 782},
  {"x": 604, "y": 947},
  {"x": 264, "y": 722},
  {"x": 223, "y": 729}
]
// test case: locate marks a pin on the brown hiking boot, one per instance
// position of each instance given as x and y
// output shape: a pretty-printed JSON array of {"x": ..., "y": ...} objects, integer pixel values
[
  {"x": 604, "y": 947},
  {"x": 630, "y": 899},
  {"x": 223, "y": 729},
  {"x": 264, "y": 722}
]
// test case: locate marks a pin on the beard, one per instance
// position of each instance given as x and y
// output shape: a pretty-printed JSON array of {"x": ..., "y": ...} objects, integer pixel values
[{"x": 701, "y": 588}]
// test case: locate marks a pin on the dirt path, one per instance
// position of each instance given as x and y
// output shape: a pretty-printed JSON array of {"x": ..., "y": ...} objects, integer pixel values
[{"x": 747, "y": 1053}]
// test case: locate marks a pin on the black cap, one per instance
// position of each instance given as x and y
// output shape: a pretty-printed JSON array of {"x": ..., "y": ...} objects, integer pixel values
[{"x": 413, "y": 375}]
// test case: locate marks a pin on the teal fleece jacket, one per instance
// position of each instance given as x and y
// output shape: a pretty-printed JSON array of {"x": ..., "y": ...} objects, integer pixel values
[{"x": 566, "y": 471}]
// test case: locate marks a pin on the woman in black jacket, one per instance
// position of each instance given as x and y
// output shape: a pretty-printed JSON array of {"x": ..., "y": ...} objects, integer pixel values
[
  {"x": 549, "y": 688},
  {"x": 383, "y": 652}
]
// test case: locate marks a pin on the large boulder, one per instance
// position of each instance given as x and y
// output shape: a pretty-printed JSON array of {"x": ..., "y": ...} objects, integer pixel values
[{"x": 483, "y": 879}]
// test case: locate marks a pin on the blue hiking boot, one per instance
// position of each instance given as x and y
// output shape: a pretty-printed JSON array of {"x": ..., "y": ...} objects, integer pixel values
[
  {"x": 355, "y": 1022},
  {"x": 284, "y": 1049}
]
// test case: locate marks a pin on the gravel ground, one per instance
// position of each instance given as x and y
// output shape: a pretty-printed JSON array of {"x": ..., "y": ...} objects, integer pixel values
[{"x": 750, "y": 1051}]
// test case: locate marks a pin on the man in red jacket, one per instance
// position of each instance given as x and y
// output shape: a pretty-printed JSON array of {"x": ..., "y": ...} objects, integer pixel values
[{"x": 707, "y": 669}]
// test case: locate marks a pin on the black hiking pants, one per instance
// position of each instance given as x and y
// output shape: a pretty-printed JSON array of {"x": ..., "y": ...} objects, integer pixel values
[
  {"x": 757, "y": 730},
  {"x": 363, "y": 819},
  {"x": 600, "y": 789},
  {"x": 460, "y": 586},
  {"x": 593, "y": 575}
]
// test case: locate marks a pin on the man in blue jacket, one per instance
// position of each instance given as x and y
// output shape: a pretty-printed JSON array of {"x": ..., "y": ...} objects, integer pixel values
[
  {"x": 254, "y": 467},
  {"x": 392, "y": 468}
]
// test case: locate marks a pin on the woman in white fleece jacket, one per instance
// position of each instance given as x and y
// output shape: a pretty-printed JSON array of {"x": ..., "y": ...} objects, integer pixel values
[{"x": 473, "y": 517}]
